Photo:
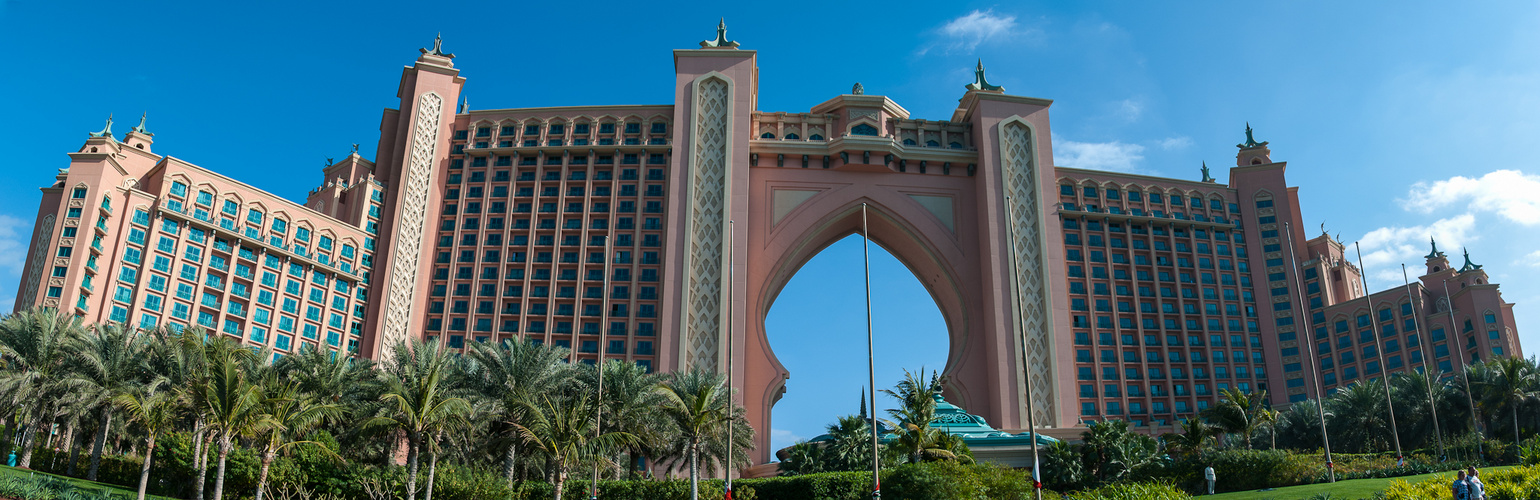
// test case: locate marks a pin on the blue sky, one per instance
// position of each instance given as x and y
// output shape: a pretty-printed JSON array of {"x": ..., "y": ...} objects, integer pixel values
[{"x": 1398, "y": 120}]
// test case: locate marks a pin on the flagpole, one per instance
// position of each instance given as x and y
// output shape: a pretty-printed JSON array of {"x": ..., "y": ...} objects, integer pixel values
[
  {"x": 604, "y": 314},
  {"x": 1010, "y": 216},
  {"x": 1374, "y": 322},
  {"x": 1315, "y": 379},
  {"x": 1459, "y": 354},
  {"x": 731, "y": 405},
  {"x": 1411, "y": 296},
  {"x": 871, "y": 359}
]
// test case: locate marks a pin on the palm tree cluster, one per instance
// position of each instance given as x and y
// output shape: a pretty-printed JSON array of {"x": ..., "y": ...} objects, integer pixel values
[
  {"x": 1505, "y": 393},
  {"x": 910, "y": 436},
  {"x": 518, "y": 408}
]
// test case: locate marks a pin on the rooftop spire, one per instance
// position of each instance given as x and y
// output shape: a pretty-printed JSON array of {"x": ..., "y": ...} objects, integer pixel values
[
  {"x": 981, "y": 83},
  {"x": 438, "y": 47},
  {"x": 106, "y": 131},
  {"x": 1435, "y": 253},
  {"x": 721, "y": 42},
  {"x": 1250, "y": 142},
  {"x": 1468, "y": 265},
  {"x": 465, "y": 105},
  {"x": 140, "y": 127},
  {"x": 1206, "y": 177}
]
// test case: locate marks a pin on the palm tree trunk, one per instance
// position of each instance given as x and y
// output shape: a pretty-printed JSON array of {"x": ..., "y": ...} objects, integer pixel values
[
  {"x": 509, "y": 462},
  {"x": 411, "y": 468},
  {"x": 74, "y": 455},
  {"x": 1515, "y": 423},
  {"x": 144, "y": 471},
  {"x": 66, "y": 443},
  {"x": 96, "y": 445},
  {"x": 225, "y": 443},
  {"x": 27, "y": 439},
  {"x": 432, "y": 468},
  {"x": 200, "y": 456},
  {"x": 561, "y": 480},
  {"x": 694, "y": 471},
  {"x": 267, "y": 464}
]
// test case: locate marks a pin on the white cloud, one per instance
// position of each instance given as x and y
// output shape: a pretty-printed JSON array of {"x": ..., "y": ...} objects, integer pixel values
[
  {"x": 1509, "y": 193},
  {"x": 1531, "y": 260},
  {"x": 1172, "y": 143},
  {"x": 1130, "y": 110},
  {"x": 1388, "y": 247},
  {"x": 781, "y": 438},
  {"x": 13, "y": 252},
  {"x": 1113, "y": 156},
  {"x": 977, "y": 27}
]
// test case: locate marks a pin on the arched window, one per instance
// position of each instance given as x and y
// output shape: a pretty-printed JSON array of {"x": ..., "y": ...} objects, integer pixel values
[
  {"x": 932, "y": 144},
  {"x": 767, "y": 135},
  {"x": 863, "y": 129},
  {"x": 955, "y": 145},
  {"x": 815, "y": 137},
  {"x": 792, "y": 137},
  {"x": 908, "y": 142}
]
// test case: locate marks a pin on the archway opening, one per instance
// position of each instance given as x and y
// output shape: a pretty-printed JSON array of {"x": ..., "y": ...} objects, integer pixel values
[{"x": 817, "y": 329}]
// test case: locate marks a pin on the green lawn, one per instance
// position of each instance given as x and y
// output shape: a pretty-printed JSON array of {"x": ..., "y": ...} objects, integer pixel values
[
  {"x": 113, "y": 490},
  {"x": 1355, "y": 489}
]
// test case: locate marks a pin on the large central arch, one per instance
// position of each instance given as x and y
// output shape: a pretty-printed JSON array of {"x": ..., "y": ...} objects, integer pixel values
[{"x": 947, "y": 198}]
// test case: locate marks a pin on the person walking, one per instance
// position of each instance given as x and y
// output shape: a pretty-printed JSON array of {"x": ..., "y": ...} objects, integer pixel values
[
  {"x": 1461, "y": 488},
  {"x": 1208, "y": 477},
  {"x": 1478, "y": 491}
]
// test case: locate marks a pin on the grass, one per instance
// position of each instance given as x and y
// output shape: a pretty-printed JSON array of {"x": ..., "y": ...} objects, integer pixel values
[
  {"x": 1347, "y": 490},
  {"x": 114, "y": 491}
]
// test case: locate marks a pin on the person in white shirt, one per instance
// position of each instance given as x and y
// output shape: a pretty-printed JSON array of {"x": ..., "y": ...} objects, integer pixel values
[
  {"x": 1208, "y": 477},
  {"x": 1478, "y": 491}
]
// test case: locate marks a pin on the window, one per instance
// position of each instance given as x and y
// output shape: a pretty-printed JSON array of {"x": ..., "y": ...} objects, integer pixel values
[{"x": 862, "y": 129}]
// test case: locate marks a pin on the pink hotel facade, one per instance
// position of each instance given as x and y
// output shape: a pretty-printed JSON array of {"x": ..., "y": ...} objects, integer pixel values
[{"x": 1139, "y": 297}]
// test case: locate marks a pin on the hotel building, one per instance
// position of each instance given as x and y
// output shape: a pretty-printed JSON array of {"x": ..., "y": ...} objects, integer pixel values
[{"x": 603, "y": 229}]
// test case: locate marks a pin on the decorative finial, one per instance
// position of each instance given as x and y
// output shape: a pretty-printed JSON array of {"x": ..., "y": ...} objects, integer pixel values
[
  {"x": 721, "y": 42},
  {"x": 438, "y": 47},
  {"x": 1323, "y": 228},
  {"x": 106, "y": 131},
  {"x": 981, "y": 83},
  {"x": 1206, "y": 177},
  {"x": 858, "y": 89},
  {"x": 1469, "y": 266},
  {"x": 1250, "y": 142},
  {"x": 355, "y": 149},
  {"x": 1435, "y": 253},
  {"x": 465, "y": 105},
  {"x": 140, "y": 128},
  {"x": 328, "y": 161}
]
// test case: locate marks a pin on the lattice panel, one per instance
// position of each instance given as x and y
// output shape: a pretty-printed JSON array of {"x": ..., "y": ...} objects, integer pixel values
[
  {"x": 413, "y": 212},
  {"x": 708, "y": 204},
  {"x": 40, "y": 243},
  {"x": 1021, "y": 183}
]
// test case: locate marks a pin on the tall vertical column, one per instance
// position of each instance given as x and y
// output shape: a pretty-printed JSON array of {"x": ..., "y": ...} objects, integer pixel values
[
  {"x": 412, "y": 164},
  {"x": 714, "y": 99}
]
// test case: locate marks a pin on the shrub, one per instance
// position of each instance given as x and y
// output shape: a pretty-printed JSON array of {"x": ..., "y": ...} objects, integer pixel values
[
  {"x": 1131, "y": 491},
  {"x": 1237, "y": 470}
]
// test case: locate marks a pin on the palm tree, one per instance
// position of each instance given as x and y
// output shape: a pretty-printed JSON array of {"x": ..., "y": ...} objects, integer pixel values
[
  {"x": 418, "y": 400},
  {"x": 1270, "y": 417},
  {"x": 1238, "y": 412},
  {"x": 35, "y": 343},
  {"x": 699, "y": 407},
  {"x": 850, "y": 443},
  {"x": 512, "y": 375},
  {"x": 1516, "y": 382},
  {"x": 106, "y": 365},
  {"x": 232, "y": 403},
  {"x": 291, "y": 415},
  {"x": 1112, "y": 452},
  {"x": 329, "y": 376},
  {"x": 1359, "y": 414},
  {"x": 631, "y": 405},
  {"x": 563, "y": 427},
  {"x": 1195, "y": 436},
  {"x": 916, "y": 439},
  {"x": 155, "y": 409}
]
